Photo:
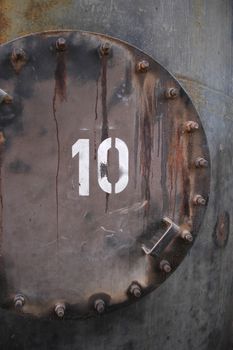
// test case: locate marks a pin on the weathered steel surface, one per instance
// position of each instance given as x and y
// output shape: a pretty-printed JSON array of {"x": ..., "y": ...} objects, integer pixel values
[
  {"x": 193, "y": 39},
  {"x": 68, "y": 86}
]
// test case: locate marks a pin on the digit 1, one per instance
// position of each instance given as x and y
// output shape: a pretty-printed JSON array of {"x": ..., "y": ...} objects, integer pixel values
[{"x": 82, "y": 148}]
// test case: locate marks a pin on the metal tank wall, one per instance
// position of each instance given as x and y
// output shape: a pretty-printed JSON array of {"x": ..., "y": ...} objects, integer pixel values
[{"x": 193, "y": 308}]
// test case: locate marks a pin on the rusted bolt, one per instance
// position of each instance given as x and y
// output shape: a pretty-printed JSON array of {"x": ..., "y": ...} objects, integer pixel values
[
  {"x": 61, "y": 44},
  {"x": 5, "y": 97},
  {"x": 201, "y": 163},
  {"x": 19, "y": 301},
  {"x": 105, "y": 48},
  {"x": 135, "y": 290},
  {"x": 190, "y": 126},
  {"x": 60, "y": 310},
  {"x": 142, "y": 66},
  {"x": 186, "y": 235},
  {"x": 99, "y": 306},
  {"x": 165, "y": 266},
  {"x": 172, "y": 93},
  {"x": 199, "y": 200},
  {"x": 18, "y": 54}
]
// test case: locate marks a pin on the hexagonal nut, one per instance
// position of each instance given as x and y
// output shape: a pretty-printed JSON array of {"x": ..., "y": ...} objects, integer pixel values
[
  {"x": 99, "y": 306},
  {"x": 165, "y": 266},
  {"x": 172, "y": 93},
  {"x": 18, "y": 54},
  {"x": 142, "y": 66},
  {"x": 201, "y": 163},
  {"x": 191, "y": 126},
  {"x": 187, "y": 236},
  {"x": 60, "y": 309},
  {"x": 61, "y": 44},
  {"x": 19, "y": 301},
  {"x": 135, "y": 290},
  {"x": 199, "y": 200},
  {"x": 105, "y": 48}
]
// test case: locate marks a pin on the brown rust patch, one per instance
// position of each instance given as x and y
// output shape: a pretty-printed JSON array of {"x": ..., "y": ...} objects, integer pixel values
[
  {"x": 38, "y": 8},
  {"x": 222, "y": 229},
  {"x": 4, "y": 20}
]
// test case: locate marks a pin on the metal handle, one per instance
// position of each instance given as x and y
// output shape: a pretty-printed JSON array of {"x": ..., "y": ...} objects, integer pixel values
[{"x": 166, "y": 238}]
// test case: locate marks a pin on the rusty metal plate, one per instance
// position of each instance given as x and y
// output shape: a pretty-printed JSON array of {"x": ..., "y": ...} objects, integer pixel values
[{"x": 105, "y": 174}]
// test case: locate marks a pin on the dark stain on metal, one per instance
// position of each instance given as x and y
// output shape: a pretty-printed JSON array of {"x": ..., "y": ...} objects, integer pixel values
[
  {"x": 96, "y": 114},
  {"x": 97, "y": 98},
  {"x": 221, "y": 230},
  {"x": 123, "y": 90},
  {"x": 60, "y": 76},
  {"x": 103, "y": 170},
  {"x": 19, "y": 167}
]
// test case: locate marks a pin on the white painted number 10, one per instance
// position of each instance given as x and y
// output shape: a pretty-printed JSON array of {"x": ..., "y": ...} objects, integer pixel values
[{"x": 82, "y": 148}]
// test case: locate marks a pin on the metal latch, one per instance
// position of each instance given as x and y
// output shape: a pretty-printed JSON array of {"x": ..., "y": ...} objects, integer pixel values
[{"x": 166, "y": 238}]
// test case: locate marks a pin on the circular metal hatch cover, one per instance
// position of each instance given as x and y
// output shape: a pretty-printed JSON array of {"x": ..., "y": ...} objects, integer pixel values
[{"x": 104, "y": 174}]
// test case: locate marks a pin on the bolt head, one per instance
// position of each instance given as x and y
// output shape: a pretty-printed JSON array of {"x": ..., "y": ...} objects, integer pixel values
[
  {"x": 19, "y": 301},
  {"x": 105, "y": 48},
  {"x": 99, "y": 306},
  {"x": 190, "y": 126},
  {"x": 201, "y": 163},
  {"x": 199, "y": 200},
  {"x": 60, "y": 310},
  {"x": 142, "y": 66},
  {"x": 61, "y": 44},
  {"x": 135, "y": 290},
  {"x": 172, "y": 93},
  {"x": 165, "y": 266},
  {"x": 18, "y": 54},
  {"x": 187, "y": 236}
]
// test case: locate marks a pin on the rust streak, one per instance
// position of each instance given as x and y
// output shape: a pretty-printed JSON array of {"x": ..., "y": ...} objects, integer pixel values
[
  {"x": 1, "y": 197},
  {"x": 146, "y": 136},
  {"x": 136, "y": 136},
  {"x": 104, "y": 60},
  {"x": 96, "y": 115},
  {"x": 104, "y": 136},
  {"x": 59, "y": 91}
]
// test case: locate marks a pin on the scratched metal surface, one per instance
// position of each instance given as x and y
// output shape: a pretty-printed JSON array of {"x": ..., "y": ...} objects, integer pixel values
[{"x": 192, "y": 310}]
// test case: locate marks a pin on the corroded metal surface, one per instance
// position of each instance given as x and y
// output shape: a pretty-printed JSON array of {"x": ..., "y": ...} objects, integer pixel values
[{"x": 73, "y": 248}]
